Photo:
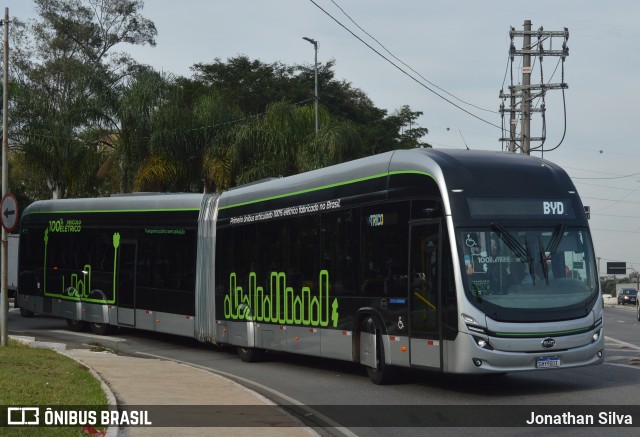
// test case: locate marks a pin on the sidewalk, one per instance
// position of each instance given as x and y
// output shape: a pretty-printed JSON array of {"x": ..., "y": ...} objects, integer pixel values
[{"x": 149, "y": 382}]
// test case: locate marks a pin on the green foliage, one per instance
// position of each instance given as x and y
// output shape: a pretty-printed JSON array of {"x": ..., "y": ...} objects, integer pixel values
[
  {"x": 67, "y": 82},
  {"x": 88, "y": 121},
  {"x": 44, "y": 377},
  {"x": 609, "y": 287}
]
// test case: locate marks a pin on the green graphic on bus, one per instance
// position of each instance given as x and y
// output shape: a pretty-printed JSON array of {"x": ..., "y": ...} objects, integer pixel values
[
  {"x": 64, "y": 227},
  {"x": 79, "y": 287},
  {"x": 281, "y": 304}
]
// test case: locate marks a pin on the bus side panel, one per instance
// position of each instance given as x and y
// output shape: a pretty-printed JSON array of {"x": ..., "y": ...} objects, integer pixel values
[
  {"x": 273, "y": 337},
  {"x": 123, "y": 316},
  {"x": 94, "y": 313},
  {"x": 146, "y": 319},
  {"x": 241, "y": 334},
  {"x": 336, "y": 344},
  {"x": 67, "y": 309},
  {"x": 174, "y": 324},
  {"x": 303, "y": 340}
]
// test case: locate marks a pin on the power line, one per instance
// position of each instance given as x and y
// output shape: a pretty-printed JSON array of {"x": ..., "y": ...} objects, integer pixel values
[
  {"x": 605, "y": 186},
  {"x": 400, "y": 68},
  {"x": 609, "y": 178},
  {"x": 408, "y": 66},
  {"x": 615, "y": 215},
  {"x": 627, "y": 202}
]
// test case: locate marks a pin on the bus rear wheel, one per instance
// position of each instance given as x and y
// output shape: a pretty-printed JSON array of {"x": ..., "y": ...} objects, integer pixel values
[
  {"x": 76, "y": 325},
  {"x": 250, "y": 354},
  {"x": 26, "y": 313},
  {"x": 99, "y": 328}
]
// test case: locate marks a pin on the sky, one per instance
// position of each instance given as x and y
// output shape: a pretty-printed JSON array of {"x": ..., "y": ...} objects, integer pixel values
[{"x": 462, "y": 48}]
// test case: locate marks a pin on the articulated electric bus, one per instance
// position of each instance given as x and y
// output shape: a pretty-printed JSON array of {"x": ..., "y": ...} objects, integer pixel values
[{"x": 455, "y": 261}]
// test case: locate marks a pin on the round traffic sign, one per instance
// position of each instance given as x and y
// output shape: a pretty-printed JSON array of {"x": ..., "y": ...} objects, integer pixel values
[{"x": 9, "y": 212}]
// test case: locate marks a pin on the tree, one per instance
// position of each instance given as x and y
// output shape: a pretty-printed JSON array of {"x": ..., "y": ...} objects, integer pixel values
[
  {"x": 195, "y": 144},
  {"x": 251, "y": 84},
  {"x": 410, "y": 132},
  {"x": 255, "y": 85},
  {"x": 188, "y": 141},
  {"x": 68, "y": 75},
  {"x": 142, "y": 94},
  {"x": 83, "y": 110},
  {"x": 283, "y": 143}
]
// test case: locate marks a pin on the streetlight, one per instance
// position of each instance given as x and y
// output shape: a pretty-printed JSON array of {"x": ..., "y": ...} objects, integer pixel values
[{"x": 315, "y": 46}]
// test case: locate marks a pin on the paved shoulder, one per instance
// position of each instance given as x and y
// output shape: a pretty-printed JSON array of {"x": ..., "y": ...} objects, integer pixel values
[{"x": 154, "y": 382}]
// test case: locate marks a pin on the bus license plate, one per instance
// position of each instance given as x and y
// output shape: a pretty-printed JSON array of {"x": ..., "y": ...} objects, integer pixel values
[{"x": 546, "y": 362}]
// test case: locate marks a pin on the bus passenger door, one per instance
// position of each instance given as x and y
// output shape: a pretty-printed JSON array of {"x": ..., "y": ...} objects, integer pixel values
[
  {"x": 424, "y": 292},
  {"x": 126, "y": 283}
]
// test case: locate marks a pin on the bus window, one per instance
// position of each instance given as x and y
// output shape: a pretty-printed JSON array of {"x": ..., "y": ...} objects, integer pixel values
[
  {"x": 340, "y": 250},
  {"x": 385, "y": 249}
]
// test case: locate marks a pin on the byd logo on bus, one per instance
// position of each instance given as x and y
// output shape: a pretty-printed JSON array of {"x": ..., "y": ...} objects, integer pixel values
[
  {"x": 553, "y": 208},
  {"x": 548, "y": 343}
]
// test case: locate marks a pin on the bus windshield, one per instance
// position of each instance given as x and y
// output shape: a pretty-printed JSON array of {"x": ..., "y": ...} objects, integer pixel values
[{"x": 529, "y": 274}]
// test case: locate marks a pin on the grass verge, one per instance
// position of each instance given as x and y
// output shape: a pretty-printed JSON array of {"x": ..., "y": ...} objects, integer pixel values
[{"x": 44, "y": 377}]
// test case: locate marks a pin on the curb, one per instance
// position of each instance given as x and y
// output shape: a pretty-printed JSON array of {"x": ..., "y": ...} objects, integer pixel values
[{"x": 61, "y": 349}]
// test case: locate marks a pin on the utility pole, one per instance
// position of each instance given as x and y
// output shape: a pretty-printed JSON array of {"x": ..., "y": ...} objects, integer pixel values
[
  {"x": 4, "y": 302},
  {"x": 315, "y": 64},
  {"x": 527, "y": 92},
  {"x": 525, "y": 103}
]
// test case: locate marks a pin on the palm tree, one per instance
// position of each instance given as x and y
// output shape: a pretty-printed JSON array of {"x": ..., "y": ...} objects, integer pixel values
[
  {"x": 188, "y": 148},
  {"x": 283, "y": 142},
  {"x": 140, "y": 98}
]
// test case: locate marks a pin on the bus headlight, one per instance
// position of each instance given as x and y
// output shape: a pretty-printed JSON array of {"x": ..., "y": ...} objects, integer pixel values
[
  {"x": 468, "y": 319},
  {"x": 596, "y": 335},
  {"x": 482, "y": 343}
]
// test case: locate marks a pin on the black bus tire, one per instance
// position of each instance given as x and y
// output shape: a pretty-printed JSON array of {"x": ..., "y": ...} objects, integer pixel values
[
  {"x": 250, "y": 354},
  {"x": 76, "y": 325},
  {"x": 26, "y": 313},
  {"x": 382, "y": 374},
  {"x": 638, "y": 311},
  {"x": 99, "y": 328}
]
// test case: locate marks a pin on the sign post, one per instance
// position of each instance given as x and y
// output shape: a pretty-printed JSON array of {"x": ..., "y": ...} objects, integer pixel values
[
  {"x": 9, "y": 218},
  {"x": 4, "y": 298},
  {"x": 9, "y": 211}
]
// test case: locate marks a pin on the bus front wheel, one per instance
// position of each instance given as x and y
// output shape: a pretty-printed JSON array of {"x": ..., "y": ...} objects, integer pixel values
[{"x": 383, "y": 373}]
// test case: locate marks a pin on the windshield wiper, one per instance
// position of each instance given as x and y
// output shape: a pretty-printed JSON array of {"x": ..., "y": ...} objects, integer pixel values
[
  {"x": 523, "y": 253},
  {"x": 543, "y": 259},
  {"x": 558, "y": 233},
  {"x": 511, "y": 241},
  {"x": 532, "y": 271}
]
